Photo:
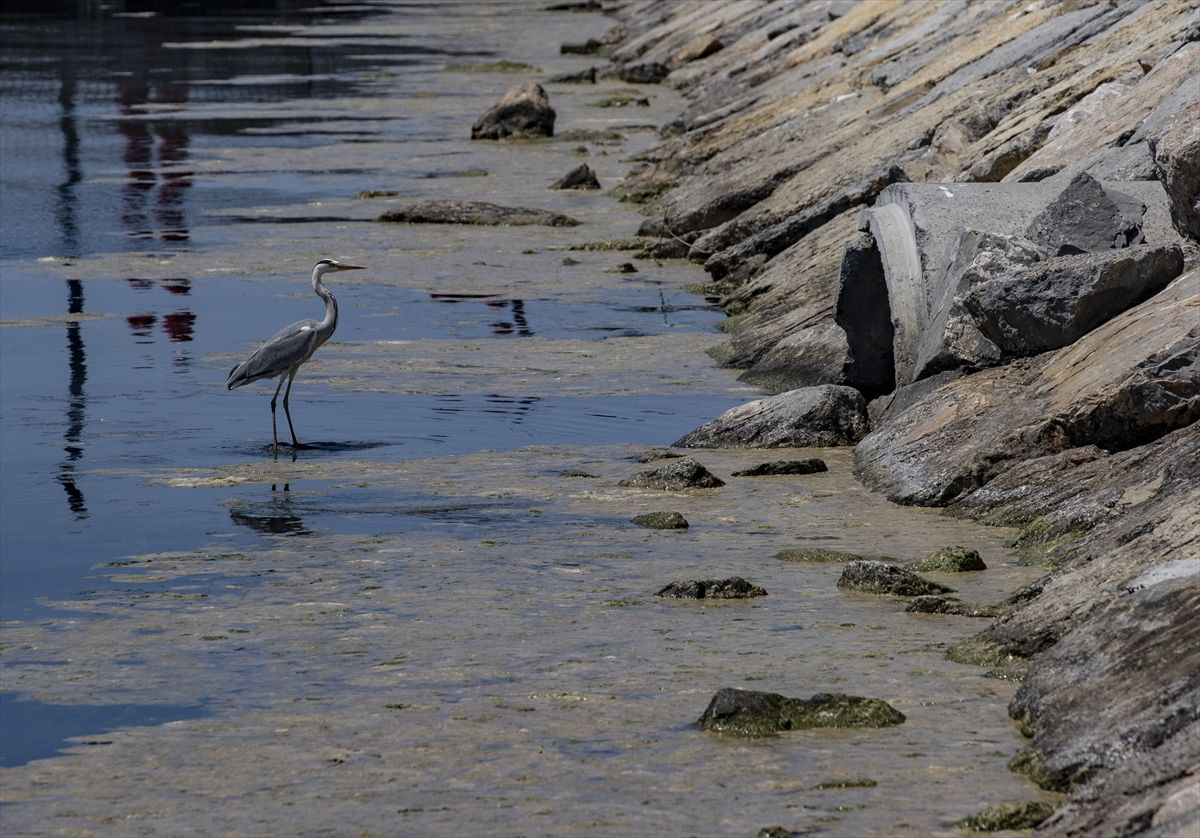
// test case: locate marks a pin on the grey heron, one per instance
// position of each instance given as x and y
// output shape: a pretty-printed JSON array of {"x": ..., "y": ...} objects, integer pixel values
[{"x": 282, "y": 356}]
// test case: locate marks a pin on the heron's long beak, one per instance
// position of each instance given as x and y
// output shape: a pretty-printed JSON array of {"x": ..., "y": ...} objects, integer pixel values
[{"x": 342, "y": 266}]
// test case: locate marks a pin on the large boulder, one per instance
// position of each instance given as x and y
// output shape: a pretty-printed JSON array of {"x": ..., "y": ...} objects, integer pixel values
[
  {"x": 1086, "y": 217},
  {"x": 827, "y": 415},
  {"x": 1054, "y": 303},
  {"x": 1124, "y": 384},
  {"x": 524, "y": 111}
]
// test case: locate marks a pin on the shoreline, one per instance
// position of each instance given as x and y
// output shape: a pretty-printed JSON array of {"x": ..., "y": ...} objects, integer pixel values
[{"x": 798, "y": 120}]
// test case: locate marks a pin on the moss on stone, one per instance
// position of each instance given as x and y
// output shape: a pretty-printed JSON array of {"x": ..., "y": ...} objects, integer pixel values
[
  {"x": 1008, "y": 816},
  {"x": 752, "y": 713},
  {"x": 981, "y": 651},
  {"x": 950, "y": 560}
]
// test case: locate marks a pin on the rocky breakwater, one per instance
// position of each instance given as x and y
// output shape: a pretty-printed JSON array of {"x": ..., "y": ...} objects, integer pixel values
[{"x": 983, "y": 218}]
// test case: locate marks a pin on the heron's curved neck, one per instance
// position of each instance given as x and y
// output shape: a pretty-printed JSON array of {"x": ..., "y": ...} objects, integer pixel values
[{"x": 329, "y": 322}]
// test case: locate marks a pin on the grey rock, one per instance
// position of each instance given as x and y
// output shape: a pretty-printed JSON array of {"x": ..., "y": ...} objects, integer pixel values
[
  {"x": 755, "y": 713},
  {"x": 581, "y": 177},
  {"x": 734, "y": 587},
  {"x": 809, "y": 357},
  {"x": 1087, "y": 217},
  {"x": 879, "y": 578},
  {"x": 861, "y": 310},
  {"x": 523, "y": 112},
  {"x": 474, "y": 212},
  {"x": 809, "y": 465},
  {"x": 949, "y": 560},
  {"x": 952, "y": 338},
  {"x": 658, "y": 454},
  {"x": 881, "y": 410},
  {"x": 661, "y": 521},
  {"x": 587, "y": 76},
  {"x": 827, "y": 415},
  {"x": 1006, "y": 816},
  {"x": 676, "y": 475},
  {"x": 1177, "y": 160},
  {"x": 822, "y": 556},
  {"x": 1056, "y": 302},
  {"x": 591, "y": 46}
]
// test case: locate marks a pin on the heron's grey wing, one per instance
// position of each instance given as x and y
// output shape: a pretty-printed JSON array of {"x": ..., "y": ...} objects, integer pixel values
[{"x": 287, "y": 347}]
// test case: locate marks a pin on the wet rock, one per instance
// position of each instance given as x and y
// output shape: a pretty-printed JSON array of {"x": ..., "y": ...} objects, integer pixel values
[
  {"x": 578, "y": 472},
  {"x": 651, "y": 72},
  {"x": 937, "y": 604},
  {"x": 1087, "y": 217},
  {"x": 1004, "y": 816},
  {"x": 820, "y": 554},
  {"x": 1056, "y": 302},
  {"x": 661, "y": 521},
  {"x": 589, "y": 47},
  {"x": 581, "y": 177},
  {"x": 779, "y": 832},
  {"x": 474, "y": 212},
  {"x": 873, "y": 577},
  {"x": 809, "y": 465},
  {"x": 523, "y": 112},
  {"x": 371, "y": 194},
  {"x": 622, "y": 268},
  {"x": 657, "y": 454},
  {"x": 734, "y": 587},
  {"x": 677, "y": 475},
  {"x": 949, "y": 560},
  {"x": 753, "y": 713},
  {"x": 587, "y": 76},
  {"x": 824, "y": 416}
]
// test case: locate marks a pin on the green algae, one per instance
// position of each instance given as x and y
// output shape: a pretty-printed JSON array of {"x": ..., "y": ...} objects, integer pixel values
[
  {"x": 1008, "y": 816},
  {"x": 950, "y": 560}
]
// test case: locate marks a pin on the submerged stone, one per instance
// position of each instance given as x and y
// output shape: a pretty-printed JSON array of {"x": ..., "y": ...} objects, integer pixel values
[
  {"x": 1008, "y": 816},
  {"x": 753, "y": 713},
  {"x": 734, "y": 587},
  {"x": 820, "y": 554},
  {"x": 936, "y": 604},
  {"x": 661, "y": 521},
  {"x": 809, "y": 465},
  {"x": 479, "y": 213},
  {"x": 880, "y": 578},
  {"x": 950, "y": 560},
  {"x": 677, "y": 475}
]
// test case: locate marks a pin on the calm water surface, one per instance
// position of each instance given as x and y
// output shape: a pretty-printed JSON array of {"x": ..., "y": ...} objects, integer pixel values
[{"x": 426, "y": 624}]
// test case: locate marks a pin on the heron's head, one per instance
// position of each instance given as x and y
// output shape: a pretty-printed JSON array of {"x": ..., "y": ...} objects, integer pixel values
[{"x": 330, "y": 265}]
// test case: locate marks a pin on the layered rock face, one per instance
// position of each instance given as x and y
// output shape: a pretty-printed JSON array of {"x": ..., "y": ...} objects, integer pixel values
[{"x": 983, "y": 217}]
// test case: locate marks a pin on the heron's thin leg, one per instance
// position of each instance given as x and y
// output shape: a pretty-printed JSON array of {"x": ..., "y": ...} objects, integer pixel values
[
  {"x": 274, "y": 434},
  {"x": 286, "y": 412}
]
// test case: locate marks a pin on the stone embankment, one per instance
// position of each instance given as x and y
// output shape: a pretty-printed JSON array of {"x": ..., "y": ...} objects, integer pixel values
[{"x": 979, "y": 222}]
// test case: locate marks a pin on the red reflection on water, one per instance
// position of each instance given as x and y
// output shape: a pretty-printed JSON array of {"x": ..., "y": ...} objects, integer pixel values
[{"x": 179, "y": 326}]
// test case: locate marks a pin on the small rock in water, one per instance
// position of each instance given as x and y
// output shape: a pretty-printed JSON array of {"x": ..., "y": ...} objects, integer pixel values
[
  {"x": 1008, "y": 816},
  {"x": 734, "y": 587},
  {"x": 661, "y": 521},
  {"x": 810, "y": 465},
  {"x": 938, "y": 604},
  {"x": 581, "y": 177},
  {"x": 656, "y": 454},
  {"x": 368, "y": 194},
  {"x": 474, "y": 212},
  {"x": 950, "y": 560},
  {"x": 623, "y": 268},
  {"x": 820, "y": 554},
  {"x": 587, "y": 76},
  {"x": 880, "y": 578},
  {"x": 683, "y": 473},
  {"x": 753, "y": 713},
  {"x": 577, "y": 472},
  {"x": 524, "y": 111}
]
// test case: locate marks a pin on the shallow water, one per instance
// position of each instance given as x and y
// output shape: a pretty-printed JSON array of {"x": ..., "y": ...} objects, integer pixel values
[{"x": 422, "y": 624}]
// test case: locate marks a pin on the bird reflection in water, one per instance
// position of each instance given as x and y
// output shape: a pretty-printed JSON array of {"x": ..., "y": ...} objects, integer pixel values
[{"x": 276, "y": 517}]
